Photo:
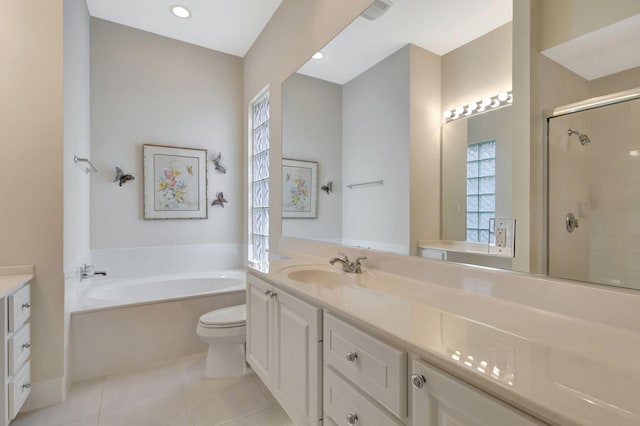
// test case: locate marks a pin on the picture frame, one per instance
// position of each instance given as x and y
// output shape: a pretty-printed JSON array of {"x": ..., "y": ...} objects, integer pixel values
[
  {"x": 299, "y": 189},
  {"x": 175, "y": 182}
]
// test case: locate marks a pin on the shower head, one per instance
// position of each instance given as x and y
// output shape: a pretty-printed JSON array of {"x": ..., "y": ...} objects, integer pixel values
[{"x": 584, "y": 139}]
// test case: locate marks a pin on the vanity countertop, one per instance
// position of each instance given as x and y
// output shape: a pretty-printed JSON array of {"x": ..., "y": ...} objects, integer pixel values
[
  {"x": 14, "y": 276},
  {"x": 562, "y": 369}
]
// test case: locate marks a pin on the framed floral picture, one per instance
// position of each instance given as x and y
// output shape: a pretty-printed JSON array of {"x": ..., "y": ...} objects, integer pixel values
[
  {"x": 175, "y": 182},
  {"x": 299, "y": 189}
]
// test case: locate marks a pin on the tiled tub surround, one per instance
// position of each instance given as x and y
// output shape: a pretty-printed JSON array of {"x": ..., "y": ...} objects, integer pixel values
[
  {"x": 110, "y": 334},
  {"x": 561, "y": 351}
]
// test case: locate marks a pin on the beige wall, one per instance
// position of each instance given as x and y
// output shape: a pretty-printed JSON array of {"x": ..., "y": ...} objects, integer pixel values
[
  {"x": 480, "y": 68},
  {"x": 297, "y": 30},
  {"x": 425, "y": 112},
  {"x": 31, "y": 83},
  {"x": 564, "y": 20}
]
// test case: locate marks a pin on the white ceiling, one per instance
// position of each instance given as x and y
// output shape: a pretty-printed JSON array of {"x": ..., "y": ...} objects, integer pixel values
[
  {"x": 229, "y": 26},
  {"x": 606, "y": 51},
  {"x": 435, "y": 25}
]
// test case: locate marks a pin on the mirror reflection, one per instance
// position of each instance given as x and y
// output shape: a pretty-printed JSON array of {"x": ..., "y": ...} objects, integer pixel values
[{"x": 375, "y": 116}]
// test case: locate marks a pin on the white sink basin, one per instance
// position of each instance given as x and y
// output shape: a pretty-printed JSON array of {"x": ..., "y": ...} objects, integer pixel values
[{"x": 321, "y": 275}]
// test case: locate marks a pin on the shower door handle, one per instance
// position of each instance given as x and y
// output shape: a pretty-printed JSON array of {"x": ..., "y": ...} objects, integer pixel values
[{"x": 571, "y": 222}]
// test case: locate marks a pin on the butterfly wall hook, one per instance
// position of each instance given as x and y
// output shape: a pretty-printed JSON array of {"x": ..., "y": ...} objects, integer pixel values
[
  {"x": 122, "y": 177},
  {"x": 217, "y": 163},
  {"x": 219, "y": 201},
  {"x": 328, "y": 187}
]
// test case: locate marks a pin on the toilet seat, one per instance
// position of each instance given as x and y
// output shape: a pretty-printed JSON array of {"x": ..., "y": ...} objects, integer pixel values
[{"x": 231, "y": 317}]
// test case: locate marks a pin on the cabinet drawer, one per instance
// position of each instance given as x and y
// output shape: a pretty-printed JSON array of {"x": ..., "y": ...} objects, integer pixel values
[
  {"x": 19, "y": 388},
  {"x": 19, "y": 348},
  {"x": 377, "y": 368},
  {"x": 344, "y": 405},
  {"x": 19, "y": 307}
]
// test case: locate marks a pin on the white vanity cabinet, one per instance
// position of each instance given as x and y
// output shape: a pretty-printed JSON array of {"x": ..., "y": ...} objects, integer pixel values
[
  {"x": 441, "y": 400},
  {"x": 16, "y": 386},
  {"x": 284, "y": 348}
]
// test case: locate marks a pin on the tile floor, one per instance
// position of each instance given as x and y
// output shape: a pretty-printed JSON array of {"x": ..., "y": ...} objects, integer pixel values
[{"x": 173, "y": 393}]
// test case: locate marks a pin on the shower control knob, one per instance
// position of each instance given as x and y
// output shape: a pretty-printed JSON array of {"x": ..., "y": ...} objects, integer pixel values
[
  {"x": 418, "y": 381},
  {"x": 352, "y": 357},
  {"x": 352, "y": 419},
  {"x": 571, "y": 222}
]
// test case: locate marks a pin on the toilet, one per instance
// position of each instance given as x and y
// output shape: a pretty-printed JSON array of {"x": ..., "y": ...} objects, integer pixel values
[{"x": 224, "y": 331}]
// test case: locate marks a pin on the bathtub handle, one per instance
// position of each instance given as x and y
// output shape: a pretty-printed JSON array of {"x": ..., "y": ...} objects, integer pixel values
[{"x": 268, "y": 293}]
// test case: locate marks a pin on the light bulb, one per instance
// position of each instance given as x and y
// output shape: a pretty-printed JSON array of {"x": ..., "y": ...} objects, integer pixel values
[
  {"x": 486, "y": 102},
  {"x": 473, "y": 106},
  {"x": 447, "y": 114},
  {"x": 318, "y": 55},
  {"x": 459, "y": 110},
  {"x": 496, "y": 103},
  {"x": 180, "y": 11},
  {"x": 503, "y": 96}
]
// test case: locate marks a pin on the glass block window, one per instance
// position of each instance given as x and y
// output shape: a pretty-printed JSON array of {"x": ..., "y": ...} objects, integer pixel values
[
  {"x": 259, "y": 178},
  {"x": 481, "y": 189}
]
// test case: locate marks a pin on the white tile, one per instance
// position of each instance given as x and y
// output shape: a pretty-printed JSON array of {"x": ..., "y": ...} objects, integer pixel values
[
  {"x": 274, "y": 416},
  {"x": 83, "y": 402},
  {"x": 214, "y": 401},
  {"x": 140, "y": 388},
  {"x": 165, "y": 410}
]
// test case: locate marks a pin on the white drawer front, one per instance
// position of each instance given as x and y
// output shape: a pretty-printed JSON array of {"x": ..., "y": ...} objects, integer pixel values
[
  {"x": 19, "y": 388},
  {"x": 19, "y": 307},
  {"x": 379, "y": 369},
  {"x": 19, "y": 348},
  {"x": 344, "y": 405}
]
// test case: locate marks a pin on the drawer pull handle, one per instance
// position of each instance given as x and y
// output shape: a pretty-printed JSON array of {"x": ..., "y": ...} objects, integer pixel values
[
  {"x": 268, "y": 292},
  {"x": 27, "y": 385},
  {"x": 26, "y": 345},
  {"x": 26, "y": 305},
  {"x": 352, "y": 357},
  {"x": 352, "y": 419},
  {"x": 418, "y": 381}
]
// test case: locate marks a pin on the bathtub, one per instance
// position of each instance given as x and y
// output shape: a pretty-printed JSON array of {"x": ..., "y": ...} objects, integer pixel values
[
  {"x": 108, "y": 293},
  {"x": 122, "y": 325}
]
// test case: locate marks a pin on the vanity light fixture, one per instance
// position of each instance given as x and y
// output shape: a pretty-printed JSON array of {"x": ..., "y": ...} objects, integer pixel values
[
  {"x": 318, "y": 55},
  {"x": 486, "y": 104},
  {"x": 180, "y": 11}
]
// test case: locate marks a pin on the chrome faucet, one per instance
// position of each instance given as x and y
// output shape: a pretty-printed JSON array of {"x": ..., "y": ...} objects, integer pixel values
[
  {"x": 347, "y": 266},
  {"x": 88, "y": 271}
]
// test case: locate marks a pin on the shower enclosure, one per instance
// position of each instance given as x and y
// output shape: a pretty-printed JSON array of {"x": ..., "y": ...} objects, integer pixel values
[{"x": 593, "y": 167}]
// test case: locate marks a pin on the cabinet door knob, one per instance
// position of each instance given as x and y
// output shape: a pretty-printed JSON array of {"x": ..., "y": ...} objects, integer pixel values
[
  {"x": 418, "y": 381},
  {"x": 352, "y": 356},
  {"x": 26, "y": 305},
  {"x": 26, "y": 345},
  {"x": 268, "y": 292},
  {"x": 352, "y": 419},
  {"x": 27, "y": 385}
]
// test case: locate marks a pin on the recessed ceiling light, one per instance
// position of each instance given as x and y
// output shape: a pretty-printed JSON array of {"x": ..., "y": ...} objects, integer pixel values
[
  {"x": 318, "y": 55},
  {"x": 180, "y": 11}
]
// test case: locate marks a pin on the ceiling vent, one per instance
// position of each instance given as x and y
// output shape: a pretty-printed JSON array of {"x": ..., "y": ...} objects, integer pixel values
[{"x": 377, "y": 9}]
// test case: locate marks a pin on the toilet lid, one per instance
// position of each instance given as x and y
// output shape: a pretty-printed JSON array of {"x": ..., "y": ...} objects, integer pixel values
[{"x": 233, "y": 316}]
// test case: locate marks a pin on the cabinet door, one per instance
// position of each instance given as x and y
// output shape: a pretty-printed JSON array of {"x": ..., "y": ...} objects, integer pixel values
[
  {"x": 297, "y": 376},
  {"x": 445, "y": 401},
  {"x": 259, "y": 328}
]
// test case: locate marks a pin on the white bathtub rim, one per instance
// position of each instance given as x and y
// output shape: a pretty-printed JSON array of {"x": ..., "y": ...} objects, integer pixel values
[{"x": 82, "y": 306}]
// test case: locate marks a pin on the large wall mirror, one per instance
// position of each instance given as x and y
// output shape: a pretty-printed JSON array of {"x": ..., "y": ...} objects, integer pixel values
[{"x": 404, "y": 179}]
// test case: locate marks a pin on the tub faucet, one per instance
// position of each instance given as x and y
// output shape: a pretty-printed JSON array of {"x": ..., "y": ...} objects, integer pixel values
[
  {"x": 88, "y": 271},
  {"x": 347, "y": 266}
]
